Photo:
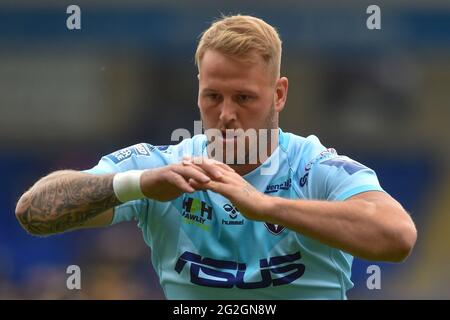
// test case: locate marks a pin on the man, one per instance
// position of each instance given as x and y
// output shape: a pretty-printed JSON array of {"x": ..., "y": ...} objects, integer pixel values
[{"x": 285, "y": 226}]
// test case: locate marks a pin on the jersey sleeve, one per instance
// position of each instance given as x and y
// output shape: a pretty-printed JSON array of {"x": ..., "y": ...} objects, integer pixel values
[
  {"x": 341, "y": 178},
  {"x": 137, "y": 157},
  {"x": 331, "y": 176},
  {"x": 131, "y": 211}
]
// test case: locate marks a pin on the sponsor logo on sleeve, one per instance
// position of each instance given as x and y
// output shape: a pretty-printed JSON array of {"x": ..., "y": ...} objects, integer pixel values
[
  {"x": 162, "y": 149},
  {"x": 126, "y": 153}
]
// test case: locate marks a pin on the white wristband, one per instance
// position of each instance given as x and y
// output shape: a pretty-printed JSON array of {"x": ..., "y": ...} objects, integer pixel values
[{"x": 127, "y": 185}]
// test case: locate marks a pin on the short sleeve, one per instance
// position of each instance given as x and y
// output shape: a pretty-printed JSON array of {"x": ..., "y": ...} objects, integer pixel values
[
  {"x": 131, "y": 210},
  {"x": 104, "y": 166},
  {"x": 338, "y": 178},
  {"x": 138, "y": 156}
]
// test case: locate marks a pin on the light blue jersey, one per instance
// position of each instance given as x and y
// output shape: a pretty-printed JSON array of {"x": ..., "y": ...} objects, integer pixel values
[{"x": 203, "y": 248}]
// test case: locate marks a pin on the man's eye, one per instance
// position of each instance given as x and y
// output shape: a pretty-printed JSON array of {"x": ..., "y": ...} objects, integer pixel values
[
  {"x": 243, "y": 98},
  {"x": 213, "y": 96}
]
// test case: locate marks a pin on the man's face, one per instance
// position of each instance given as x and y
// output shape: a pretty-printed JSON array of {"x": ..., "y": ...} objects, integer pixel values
[{"x": 239, "y": 94}]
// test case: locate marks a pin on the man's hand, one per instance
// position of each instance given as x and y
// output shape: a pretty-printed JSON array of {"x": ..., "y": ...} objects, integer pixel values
[
  {"x": 225, "y": 181},
  {"x": 169, "y": 182}
]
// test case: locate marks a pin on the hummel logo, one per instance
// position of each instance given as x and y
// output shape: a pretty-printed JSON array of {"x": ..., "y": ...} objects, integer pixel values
[{"x": 232, "y": 211}]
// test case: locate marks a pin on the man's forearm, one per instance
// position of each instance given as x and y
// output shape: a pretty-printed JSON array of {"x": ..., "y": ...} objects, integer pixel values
[
  {"x": 65, "y": 200},
  {"x": 359, "y": 227}
]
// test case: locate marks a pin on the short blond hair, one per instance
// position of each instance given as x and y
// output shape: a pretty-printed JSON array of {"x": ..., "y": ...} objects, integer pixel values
[{"x": 239, "y": 36}]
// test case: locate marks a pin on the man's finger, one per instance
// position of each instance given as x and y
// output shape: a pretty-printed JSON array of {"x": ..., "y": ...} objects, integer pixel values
[
  {"x": 222, "y": 165},
  {"x": 191, "y": 172},
  {"x": 216, "y": 186},
  {"x": 189, "y": 163},
  {"x": 197, "y": 185},
  {"x": 178, "y": 181},
  {"x": 213, "y": 168},
  {"x": 202, "y": 160}
]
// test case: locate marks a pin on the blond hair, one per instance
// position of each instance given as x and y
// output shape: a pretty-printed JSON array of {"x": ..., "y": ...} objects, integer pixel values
[{"x": 239, "y": 36}]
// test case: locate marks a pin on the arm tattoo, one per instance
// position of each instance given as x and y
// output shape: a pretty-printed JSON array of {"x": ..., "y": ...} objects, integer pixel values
[{"x": 66, "y": 203}]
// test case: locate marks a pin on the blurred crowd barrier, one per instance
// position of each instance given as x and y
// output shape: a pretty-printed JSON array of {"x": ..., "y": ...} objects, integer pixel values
[{"x": 67, "y": 97}]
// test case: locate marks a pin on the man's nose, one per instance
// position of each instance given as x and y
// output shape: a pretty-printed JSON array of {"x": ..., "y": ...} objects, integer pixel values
[{"x": 228, "y": 111}]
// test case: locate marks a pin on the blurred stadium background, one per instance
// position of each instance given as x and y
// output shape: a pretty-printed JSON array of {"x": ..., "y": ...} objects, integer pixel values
[{"x": 69, "y": 97}]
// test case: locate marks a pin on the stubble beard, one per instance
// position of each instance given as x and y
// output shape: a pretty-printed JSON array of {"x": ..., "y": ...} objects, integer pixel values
[{"x": 251, "y": 142}]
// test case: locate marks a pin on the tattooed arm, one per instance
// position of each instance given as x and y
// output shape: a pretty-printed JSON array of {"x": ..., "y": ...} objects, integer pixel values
[{"x": 66, "y": 200}]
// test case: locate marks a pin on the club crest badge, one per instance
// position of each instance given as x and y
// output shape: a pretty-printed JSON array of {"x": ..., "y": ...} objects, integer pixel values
[{"x": 275, "y": 229}]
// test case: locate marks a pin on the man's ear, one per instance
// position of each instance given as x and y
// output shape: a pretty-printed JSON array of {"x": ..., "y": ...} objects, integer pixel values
[
  {"x": 198, "y": 76},
  {"x": 281, "y": 90}
]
